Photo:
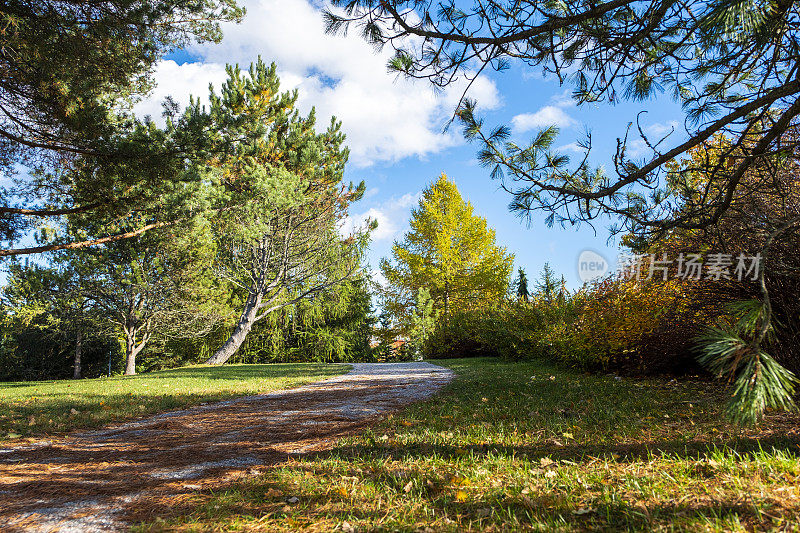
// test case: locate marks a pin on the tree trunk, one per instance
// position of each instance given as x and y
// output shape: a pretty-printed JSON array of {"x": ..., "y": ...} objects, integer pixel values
[
  {"x": 76, "y": 373},
  {"x": 130, "y": 357},
  {"x": 131, "y": 351},
  {"x": 246, "y": 321},
  {"x": 446, "y": 301}
]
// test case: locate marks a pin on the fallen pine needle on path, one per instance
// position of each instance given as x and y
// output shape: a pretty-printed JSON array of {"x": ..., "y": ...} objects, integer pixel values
[{"x": 97, "y": 480}]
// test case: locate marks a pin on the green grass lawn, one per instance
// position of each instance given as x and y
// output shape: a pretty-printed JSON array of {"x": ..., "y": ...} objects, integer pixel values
[
  {"x": 35, "y": 408},
  {"x": 529, "y": 447}
]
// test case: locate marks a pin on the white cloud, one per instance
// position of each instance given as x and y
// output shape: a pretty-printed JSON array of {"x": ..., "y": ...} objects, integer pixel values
[
  {"x": 659, "y": 130},
  {"x": 572, "y": 147},
  {"x": 563, "y": 100},
  {"x": 390, "y": 215},
  {"x": 636, "y": 148},
  {"x": 385, "y": 118},
  {"x": 549, "y": 115},
  {"x": 180, "y": 81},
  {"x": 405, "y": 201}
]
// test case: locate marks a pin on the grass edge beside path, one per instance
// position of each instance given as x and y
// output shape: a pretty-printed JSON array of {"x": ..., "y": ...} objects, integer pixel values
[
  {"x": 527, "y": 446},
  {"x": 34, "y": 409}
]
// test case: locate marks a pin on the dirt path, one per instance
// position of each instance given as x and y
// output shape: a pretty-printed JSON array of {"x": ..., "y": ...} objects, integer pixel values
[{"x": 101, "y": 480}]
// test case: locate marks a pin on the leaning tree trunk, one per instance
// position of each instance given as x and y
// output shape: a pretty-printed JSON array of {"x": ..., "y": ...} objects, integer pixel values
[
  {"x": 243, "y": 327},
  {"x": 76, "y": 373}
]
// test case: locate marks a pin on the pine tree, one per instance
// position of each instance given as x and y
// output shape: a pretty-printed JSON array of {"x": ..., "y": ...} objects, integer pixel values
[
  {"x": 451, "y": 252},
  {"x": 522, "y": 285},
  {"x": 386, "y": 336},
  {"x": 708, "y": 55},
  {"x": 281, "y": 182},
  {"x": 547, "y": 286}
]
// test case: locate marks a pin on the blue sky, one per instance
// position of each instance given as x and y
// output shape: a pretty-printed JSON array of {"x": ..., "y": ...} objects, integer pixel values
[{"x": 394, "y": 126}]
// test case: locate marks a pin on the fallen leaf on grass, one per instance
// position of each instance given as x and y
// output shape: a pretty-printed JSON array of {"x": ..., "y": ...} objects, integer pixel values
[
  {"x": 462, "y": 481},
  {"x": 545, "y": 461}
]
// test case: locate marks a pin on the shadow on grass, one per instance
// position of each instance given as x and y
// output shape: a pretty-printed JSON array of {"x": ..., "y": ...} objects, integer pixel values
[
  {"x": 246, "y": 371},
  {"x": 620, "y": 453},
  {"x": 264, "y": 499}
]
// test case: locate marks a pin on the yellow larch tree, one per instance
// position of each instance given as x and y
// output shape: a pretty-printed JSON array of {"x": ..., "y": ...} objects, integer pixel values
[{"x": 448, "y": 250}]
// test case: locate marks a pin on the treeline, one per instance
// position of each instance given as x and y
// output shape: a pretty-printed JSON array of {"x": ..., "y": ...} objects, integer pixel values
[{"x": 49, "y": 344}]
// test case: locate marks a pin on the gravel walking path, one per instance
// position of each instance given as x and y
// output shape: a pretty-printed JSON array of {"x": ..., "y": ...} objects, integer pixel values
[{"x": 102, "y": 480}]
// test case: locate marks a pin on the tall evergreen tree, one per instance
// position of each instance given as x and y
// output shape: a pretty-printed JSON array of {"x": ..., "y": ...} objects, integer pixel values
[
  {"x": 522, "y": 285},
  {"x": 451, "y": 252},
  {"x": 336, "y": 326},
  {"x": 548, "y": 286},
  {"x": 386, "y": 335},
  {"x": 283, "y": 197}
]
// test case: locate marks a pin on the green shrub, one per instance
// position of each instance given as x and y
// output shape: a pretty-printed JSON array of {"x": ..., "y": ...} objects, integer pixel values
[{"x": 516, "y": 331}]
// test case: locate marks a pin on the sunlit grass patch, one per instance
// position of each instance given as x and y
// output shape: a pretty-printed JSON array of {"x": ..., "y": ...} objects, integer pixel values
[
  {"x": 45, "y": 407},
  {"x": 526, "y": 446}
]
